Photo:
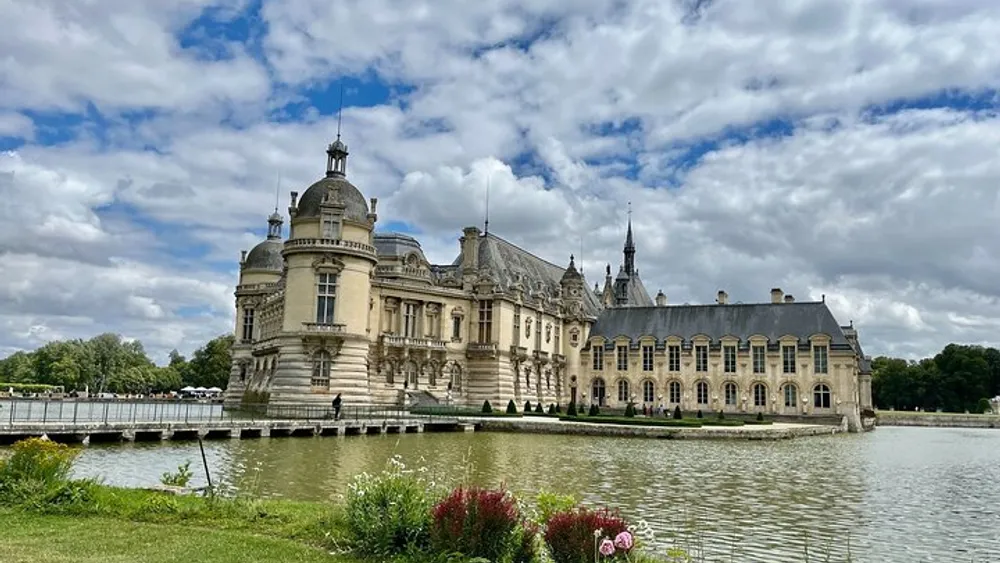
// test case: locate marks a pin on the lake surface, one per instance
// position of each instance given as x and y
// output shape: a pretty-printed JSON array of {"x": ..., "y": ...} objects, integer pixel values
[{"x": 896, "y": 494}]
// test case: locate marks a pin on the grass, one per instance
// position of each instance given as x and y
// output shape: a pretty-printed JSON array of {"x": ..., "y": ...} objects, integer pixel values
[{"x": 43, "y": 538}]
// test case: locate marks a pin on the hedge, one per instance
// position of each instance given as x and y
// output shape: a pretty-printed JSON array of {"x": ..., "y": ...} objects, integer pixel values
[
  {"x": 634, "y": 421},
  {"x": 27, "y": 387}
]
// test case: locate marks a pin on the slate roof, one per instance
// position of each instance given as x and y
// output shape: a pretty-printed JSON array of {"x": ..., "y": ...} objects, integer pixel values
[
  {"x": 266, "y": 256},
  {"x": 773, "y": 320},
  {"x": 339, "y": 190},
  {"x": 510, "y": 264},
  {"x": 637, "y": 294},
  {"x": 396, "y": 244}
]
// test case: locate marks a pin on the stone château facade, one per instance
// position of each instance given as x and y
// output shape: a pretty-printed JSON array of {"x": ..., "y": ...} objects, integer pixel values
[{"x": 338, "y": 308}]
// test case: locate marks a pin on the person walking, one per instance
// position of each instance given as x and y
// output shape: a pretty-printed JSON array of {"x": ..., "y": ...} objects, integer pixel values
[{"x": 336, "y": 407}]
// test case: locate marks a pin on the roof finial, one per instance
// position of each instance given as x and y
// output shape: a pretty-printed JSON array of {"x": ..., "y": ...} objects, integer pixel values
[
  {"x": 486, "y": 229},
  {"x": 277, "y": 190},
  {"x": 340, "y": 110}
]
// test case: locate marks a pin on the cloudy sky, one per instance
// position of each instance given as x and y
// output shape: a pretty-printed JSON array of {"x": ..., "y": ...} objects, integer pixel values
[{"x": 838, "y": 147}]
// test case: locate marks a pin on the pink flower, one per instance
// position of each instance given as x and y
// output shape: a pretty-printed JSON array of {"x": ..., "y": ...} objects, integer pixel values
[
  {"x": 607, "y": 548},
  {"x": 624, "y": 541}
]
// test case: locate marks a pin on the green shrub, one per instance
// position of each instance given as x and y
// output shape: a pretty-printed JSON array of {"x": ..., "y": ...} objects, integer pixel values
[
  {"x": 539, "y": 409},
  {"x": 677, "y": 413},
  {"x": 984, "y": 406},
  {"x": 552, "y": 409},
  {"x": 36, "y": 470},
  {"x": 571, "y": 409},
  {"x": 527, "y": 406},
  {"x": 760, "y": 416},
  {"x": 684, "y": 423},
  {"x": 487, "y": 407},
  {"x": 572, "y": 536},
  {"x": 721, "y": 415},
  {"x": 594, "y": 411},
  {"x": 511, "y": 407},
  {"x": 552, "y": 503},
  {"x": 388, "y": 513},
  {"x": 699, "y": 414},
  {"x": 179, "y": 479},
  {"x": 27, "y": 387},
  {"x": 630, "y": 410},
  {"x": 558, "y": 409}
]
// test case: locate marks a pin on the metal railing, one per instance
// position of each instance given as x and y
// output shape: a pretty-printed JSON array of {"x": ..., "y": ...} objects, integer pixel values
[{"x": 20, "y": 413}]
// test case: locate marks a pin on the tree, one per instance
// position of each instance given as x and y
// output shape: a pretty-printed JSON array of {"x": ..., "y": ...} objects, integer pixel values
[{"x": 210, "y": 364}]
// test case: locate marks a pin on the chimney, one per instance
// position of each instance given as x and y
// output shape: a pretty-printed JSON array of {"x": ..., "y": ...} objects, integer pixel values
[
  {"x": 470, "y": 249},
  {"x": 723, "y": 298},
  {"x": 243, "y": 256},
  {"x": 372, "y": 213},
  {"x": 776, "y": 295},
  {"x": 374, "y": 202},
  {"x": 661, "y": 299},
  {"x": 789, "y": 298},
  {"x": 293, "y": 208}
]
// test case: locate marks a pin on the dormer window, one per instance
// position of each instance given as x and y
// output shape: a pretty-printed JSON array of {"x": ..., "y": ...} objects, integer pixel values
[{"x": 330, "y": 228}]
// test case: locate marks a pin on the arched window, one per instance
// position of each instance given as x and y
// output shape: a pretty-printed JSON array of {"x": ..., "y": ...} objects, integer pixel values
[
  {"x": 648, "y": 391},
  {"x": 456, "y": 377},
  {"x": 675, "y": 392},
  {"x": 821, "y": 396},
  {"x": 791, "y": 395},
  {"x": 623, "y": 390},
  {"x": 702, "y": 390},
  {"x": 321, "y": 369},
  {"x": 731, "y": 392},
  {"x": 759, "y": 395},
  {"x": 598, "y": 391}
]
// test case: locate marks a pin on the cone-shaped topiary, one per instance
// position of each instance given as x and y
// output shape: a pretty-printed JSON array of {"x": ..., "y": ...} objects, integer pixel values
[
  {"x": 558, "y": 409},
  {"x": 721, "y": 416},
  {"x": 571, "y": 409},
  {"x": 539, "y": 409},
  {"x": 487, "y": 407},
  {"x": 511, "y": 407},
  {"x": 527, "y": 406},
  {"x": 630, "y": 410},
  {"x": 699, "y": 414},
  {"x": 760, "y": 415},
  {"x": 594, "y": 411},
  {"x": 552, "y": 409},
  {"x": 677, "y": 412}
]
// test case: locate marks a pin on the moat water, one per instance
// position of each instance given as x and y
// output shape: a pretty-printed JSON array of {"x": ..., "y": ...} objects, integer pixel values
[{"x": 897, "y": 494}]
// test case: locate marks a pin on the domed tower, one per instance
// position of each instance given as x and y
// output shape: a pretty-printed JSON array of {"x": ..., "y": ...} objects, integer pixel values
[
  {"x": 331, "y": 259},
  {"x": 574, "y": 329},
  {"x": 260, "y": 271}
]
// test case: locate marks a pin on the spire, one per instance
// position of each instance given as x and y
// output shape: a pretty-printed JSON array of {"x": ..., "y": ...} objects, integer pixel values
[
  {"x": 274, "y": 221},
  {"x": 629, "y": 246},
  {"x": 486, "y": 227},
  {"x": 336, "y": 152}
]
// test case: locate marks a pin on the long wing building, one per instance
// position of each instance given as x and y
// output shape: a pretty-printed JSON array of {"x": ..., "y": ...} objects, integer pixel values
[{"x": 340, "y": 308}]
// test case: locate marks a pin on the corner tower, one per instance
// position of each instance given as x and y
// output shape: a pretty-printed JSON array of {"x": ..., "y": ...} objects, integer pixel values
[{"x": 330, "y": 257}]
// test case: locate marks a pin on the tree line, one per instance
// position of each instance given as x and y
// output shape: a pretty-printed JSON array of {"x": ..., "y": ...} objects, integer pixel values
[
  {"x": 108, "y": 363},
  {"x": 957, "y": 379}
]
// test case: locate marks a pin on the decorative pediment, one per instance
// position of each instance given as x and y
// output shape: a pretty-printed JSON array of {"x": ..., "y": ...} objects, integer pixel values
[
  {"x": 433, "y": 308},
  {"x": 329, "y": 262}
]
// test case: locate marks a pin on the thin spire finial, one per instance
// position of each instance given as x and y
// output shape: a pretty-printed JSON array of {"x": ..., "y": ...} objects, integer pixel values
[
  {"x": 340, "y": 110},
  {"x": 630, "y": 212},
  {"x": 277, "y": 190},
  {"x": 581, "y": 254},
  {"x": 486, "y": 229}
]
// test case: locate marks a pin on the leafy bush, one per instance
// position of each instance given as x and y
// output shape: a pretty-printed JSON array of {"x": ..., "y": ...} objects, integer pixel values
[
  {"x": 570, "y": 535},
  {"x": 179, "y": 479},
  {"x": 511, "y": 407},
  {"x": 685, "y": 423},
  {"x": 477, "y": 523},
  {"x": 539, "y": 409},
  {"x": 760, "y": 416},
  {"x": 527, "y": 406},
  {"x": 984, "y": 406},
  {"x": 27, "y": 387},
  {"x": 677, "y": 413},
  {"x": 36, "y": 470},
  {"x": 388, "y": 513},
  {"x": 526, "y": 549},
  {"x": 571, "y": 409},
  {"x": 630, "y": 410},
  {"x": 487, "y": 407},
  {"x": 553, "y": 503},
  {"x": 594, "y": 411}
]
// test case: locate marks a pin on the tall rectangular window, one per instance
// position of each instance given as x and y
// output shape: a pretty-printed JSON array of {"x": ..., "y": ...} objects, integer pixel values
[
  {"x": 820, "y": 359},
  {"x": 409, "y": 320},
  {"x": 759, "y": 359},
  {"x": 701, "y": 358},
  {"x": 647, "y": 358},
  {"x": 788, "y": 359},
  {"x": 326, "y": 293},
  {"x": 485, "y": 321},
  {"x": 330, "y": 227},
  {"x": 456, "y": 328},
  {"x": 247, "y": 325},
  {"x": 729, "y": 359},
  {"x": 598, "y": 353},
  {"x": 556, "y": 340},
  {"x": 517, "y": 325},
  {"x": 674, "y": 358},
  {"x": 622, "y": 357}
]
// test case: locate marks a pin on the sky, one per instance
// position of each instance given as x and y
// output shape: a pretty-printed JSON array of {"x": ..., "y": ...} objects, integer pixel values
[{"x": 837, "y": 148}]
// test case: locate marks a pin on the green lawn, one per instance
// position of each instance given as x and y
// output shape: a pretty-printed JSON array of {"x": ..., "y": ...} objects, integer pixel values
[{"x": 35, "y": 538}]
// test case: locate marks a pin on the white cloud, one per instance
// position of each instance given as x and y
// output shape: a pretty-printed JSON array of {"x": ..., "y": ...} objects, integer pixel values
[{"x": 888, "y": 216}]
